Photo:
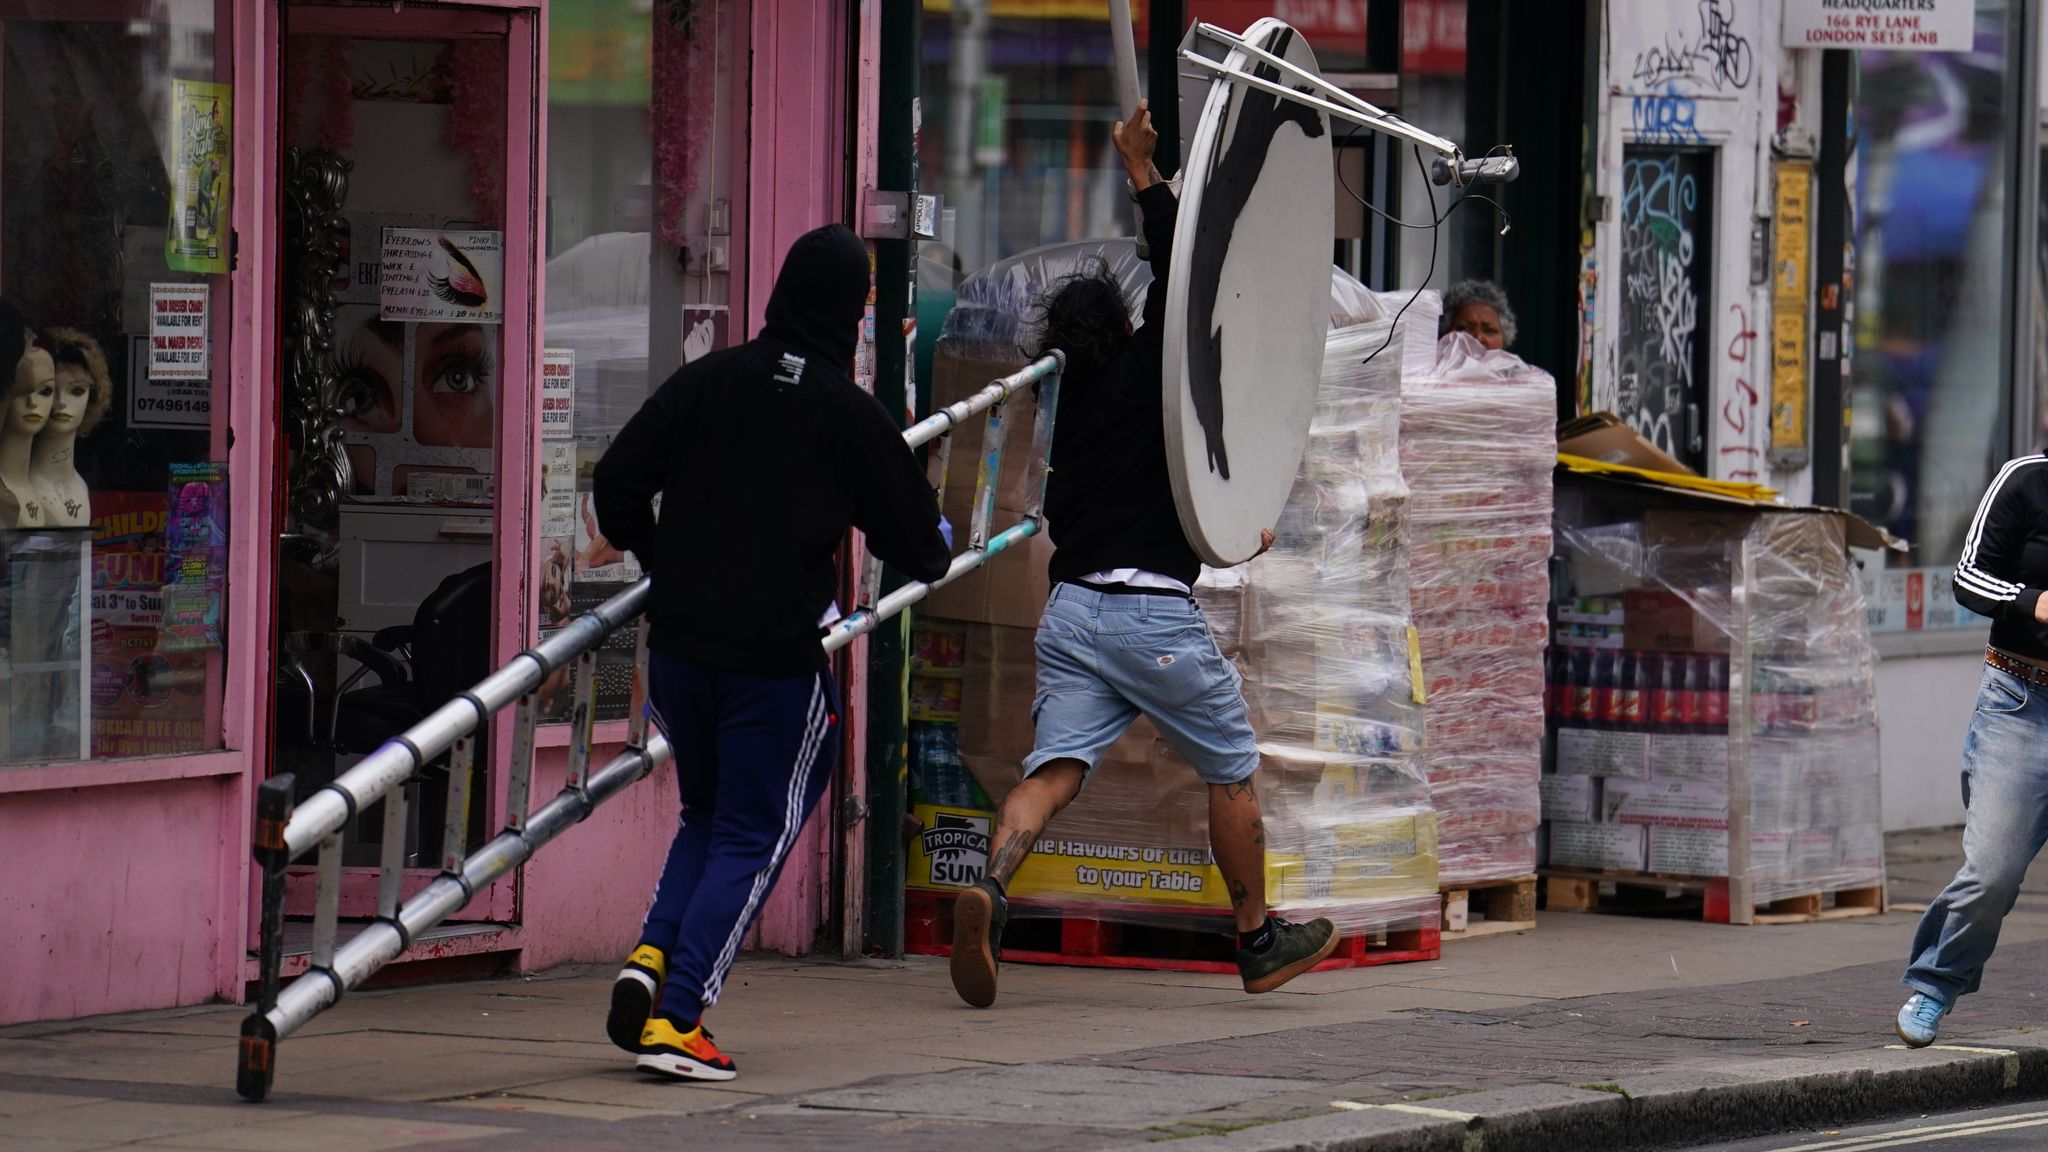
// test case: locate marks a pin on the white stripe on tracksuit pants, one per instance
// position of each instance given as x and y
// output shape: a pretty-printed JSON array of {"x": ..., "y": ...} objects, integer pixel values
[{"x": 752, "y": 757}]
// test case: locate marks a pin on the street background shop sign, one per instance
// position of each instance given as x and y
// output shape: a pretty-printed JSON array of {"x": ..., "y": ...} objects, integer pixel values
[
  {"x": 1882, "y": 25},
  {"x": 1914, "y": 600}
]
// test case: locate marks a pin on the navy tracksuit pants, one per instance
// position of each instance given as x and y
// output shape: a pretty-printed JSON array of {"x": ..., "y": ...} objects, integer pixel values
[{"x": 753, "y": 755}]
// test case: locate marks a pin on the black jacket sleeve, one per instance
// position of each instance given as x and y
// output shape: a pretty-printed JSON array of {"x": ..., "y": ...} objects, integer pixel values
[
  {"x": 1160, "y": 206},
  {"x": 893, "y": 501},
  {"x": 633, "y": 470},
  {"x": 1985, "y": 576}
]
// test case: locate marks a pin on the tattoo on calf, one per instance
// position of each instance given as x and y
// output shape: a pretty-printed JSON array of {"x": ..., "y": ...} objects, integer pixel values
[
  {"x": 1009, "y": 855},
  {"x": 1239, "y": 894}
]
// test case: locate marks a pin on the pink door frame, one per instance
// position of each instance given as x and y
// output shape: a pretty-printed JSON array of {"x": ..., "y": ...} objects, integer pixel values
[{"x": 519, "y": 28}]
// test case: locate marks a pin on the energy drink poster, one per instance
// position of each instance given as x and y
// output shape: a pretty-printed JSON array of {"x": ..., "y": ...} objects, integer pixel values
[
  {"x": 195, "y": 564},
  {"x": 201, "y": 153}
]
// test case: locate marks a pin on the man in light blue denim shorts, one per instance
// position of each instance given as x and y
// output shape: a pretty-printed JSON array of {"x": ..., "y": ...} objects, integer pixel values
[{"x": 1121, "y": 635}]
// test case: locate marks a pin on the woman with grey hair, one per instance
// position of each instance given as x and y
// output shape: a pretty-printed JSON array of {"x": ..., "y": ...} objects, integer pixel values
[{"x": 1480, "y": 309}]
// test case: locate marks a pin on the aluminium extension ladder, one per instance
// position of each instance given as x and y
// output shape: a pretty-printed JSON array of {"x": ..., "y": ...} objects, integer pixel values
[{"x": 285, "y": 831}]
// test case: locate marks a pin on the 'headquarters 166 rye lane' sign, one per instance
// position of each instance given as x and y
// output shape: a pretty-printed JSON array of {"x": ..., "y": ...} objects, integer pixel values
[{"x": 1882, "y": 25}]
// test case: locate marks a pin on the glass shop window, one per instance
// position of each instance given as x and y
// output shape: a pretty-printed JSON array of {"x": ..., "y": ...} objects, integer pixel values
[{"x": 115, "y": 180}]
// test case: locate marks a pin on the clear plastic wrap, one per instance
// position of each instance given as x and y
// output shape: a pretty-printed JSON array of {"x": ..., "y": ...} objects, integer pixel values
[
  {"x": 1729, "y": 684},
  {"x": 1318, "y": 626},
  {"x": 1478, "y": 445},
  {"x": 995, "y": 307}
]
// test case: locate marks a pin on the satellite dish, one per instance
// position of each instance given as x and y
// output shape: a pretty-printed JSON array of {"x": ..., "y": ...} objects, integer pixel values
[{"x": 1247, "y": 305}]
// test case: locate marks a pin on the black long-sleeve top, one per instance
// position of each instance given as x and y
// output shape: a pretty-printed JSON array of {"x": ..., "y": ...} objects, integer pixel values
[
  {"x": 1109, "y": 502},
  {"x": 763, "y": 456},
  {"x": 2004, "y": 566}
]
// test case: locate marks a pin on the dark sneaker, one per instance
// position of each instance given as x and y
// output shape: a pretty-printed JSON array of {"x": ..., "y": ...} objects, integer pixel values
[
  {"x": 1296, "y": 948},
  {"x": 634, "y": 994},
  {"x": 669, "y": 1051},
  {"x": 979, "y": 914}
]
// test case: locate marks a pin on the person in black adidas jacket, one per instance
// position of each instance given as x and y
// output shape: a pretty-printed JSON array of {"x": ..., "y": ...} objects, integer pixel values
[
  {"x": 763, "y": 456},
  {"x": 2001, "y": 574}
]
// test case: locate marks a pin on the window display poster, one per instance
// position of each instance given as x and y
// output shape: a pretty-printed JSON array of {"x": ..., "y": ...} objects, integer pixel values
[
  {"x": 177, "y": 338},
  {"x": 558, "y": 489},
  {"x": 146, "y": 701},
  {"x": 164, "y": 404},
  {"x": 597, "y": 561},
  {"x": 446, "y": 276},
  {"x": 195, "y": 564},
  {"x": 558, "y": 394},
  {"x": 201, "y": 153}
]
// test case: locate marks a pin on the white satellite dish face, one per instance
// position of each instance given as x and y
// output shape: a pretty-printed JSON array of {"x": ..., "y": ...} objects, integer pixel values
[{"x": 1247, "y": 305}]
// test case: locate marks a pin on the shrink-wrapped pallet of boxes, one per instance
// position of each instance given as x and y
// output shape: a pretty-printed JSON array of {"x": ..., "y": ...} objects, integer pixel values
[
  {"x": 1318, "y": 628},
  {"x": 1726, "y": 717},
  {"x": 1478, "y": 445}
]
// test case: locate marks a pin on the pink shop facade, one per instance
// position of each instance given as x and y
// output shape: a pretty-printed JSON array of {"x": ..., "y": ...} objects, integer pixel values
[{"x": 330, "y": 310}]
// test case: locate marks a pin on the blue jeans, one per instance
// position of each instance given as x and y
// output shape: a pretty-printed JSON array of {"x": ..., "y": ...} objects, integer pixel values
[
  {"x": 1104, "y": 658},
  {"x": 2005, "y": 793}
]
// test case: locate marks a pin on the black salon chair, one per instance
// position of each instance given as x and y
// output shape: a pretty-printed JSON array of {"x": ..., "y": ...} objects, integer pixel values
[{"x": 445, "y": 650}]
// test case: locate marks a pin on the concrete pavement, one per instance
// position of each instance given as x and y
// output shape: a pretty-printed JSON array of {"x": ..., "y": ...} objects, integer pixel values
[{"x": 1595, "y": 1027}]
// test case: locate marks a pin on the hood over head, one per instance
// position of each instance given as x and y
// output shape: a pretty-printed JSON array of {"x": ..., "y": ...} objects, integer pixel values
[{"x": 821, "y": 294}]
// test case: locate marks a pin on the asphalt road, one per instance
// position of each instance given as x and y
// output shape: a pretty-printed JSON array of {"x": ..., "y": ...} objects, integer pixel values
[{"x": 2007, "y": 1129}]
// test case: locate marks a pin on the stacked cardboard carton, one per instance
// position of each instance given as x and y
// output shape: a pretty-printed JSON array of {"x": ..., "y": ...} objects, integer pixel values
[
  {"x": 1712, "y": 672},
  {"x": 1478, "y": 445}
]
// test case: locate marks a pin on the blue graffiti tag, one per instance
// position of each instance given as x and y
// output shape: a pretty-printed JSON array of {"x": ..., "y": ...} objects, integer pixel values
[{"x": 1666, "y": 117}]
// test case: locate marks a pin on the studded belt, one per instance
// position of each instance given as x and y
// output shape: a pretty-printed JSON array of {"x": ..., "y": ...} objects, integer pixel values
[{"x": 2031, "y": 673}]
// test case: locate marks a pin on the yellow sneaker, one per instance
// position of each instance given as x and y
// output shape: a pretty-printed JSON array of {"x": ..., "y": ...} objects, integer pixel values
[
  {"x": 684, "y": 1055},
  {"x": 634, "y": 995}
]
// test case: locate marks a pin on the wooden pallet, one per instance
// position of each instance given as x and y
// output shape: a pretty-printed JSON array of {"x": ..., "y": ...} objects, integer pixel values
[
  {"x": 1575, "y": 890},
  {"x": 1489, "y": 908},
  {"x": 1084, "y": 937}
]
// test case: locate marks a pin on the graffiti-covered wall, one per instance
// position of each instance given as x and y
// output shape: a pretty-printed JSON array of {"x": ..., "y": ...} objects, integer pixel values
[{"x": 1676, "y": 276}]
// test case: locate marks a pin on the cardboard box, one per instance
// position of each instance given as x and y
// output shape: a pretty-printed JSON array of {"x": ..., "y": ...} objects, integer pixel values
[
  {"x": 1689, "y": 851},
  {"x": 1687, "y": 547},
  {"x": 1010, "y": 590},
  {"x": 1594, "y": 636},
  {"x": 1666, "y": 803},
  {"x": 1619, "y": 846},
  {"x": 1570, "y": 798},
  {"x": 1594, "y": 752},
  {"x": 1598, "y": 610},
  {"x": 1681, "y": 757},
  {"x": 1607, "y": 438},
  {"x": 1662, "y": 621}
]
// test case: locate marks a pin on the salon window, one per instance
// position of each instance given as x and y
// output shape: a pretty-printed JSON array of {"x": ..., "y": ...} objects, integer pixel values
[
  {"x": 115, "y": 180},
  {"x": 640, "y": 243}
]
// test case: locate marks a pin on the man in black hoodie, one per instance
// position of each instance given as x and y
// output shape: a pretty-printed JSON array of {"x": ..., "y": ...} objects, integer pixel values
[{"x": 763, "y": 456}]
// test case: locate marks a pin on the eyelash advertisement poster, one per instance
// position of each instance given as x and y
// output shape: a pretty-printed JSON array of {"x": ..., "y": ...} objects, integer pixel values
[
  {"x": 427, "y": 274},
  {"x": 423, "y": 399}
]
